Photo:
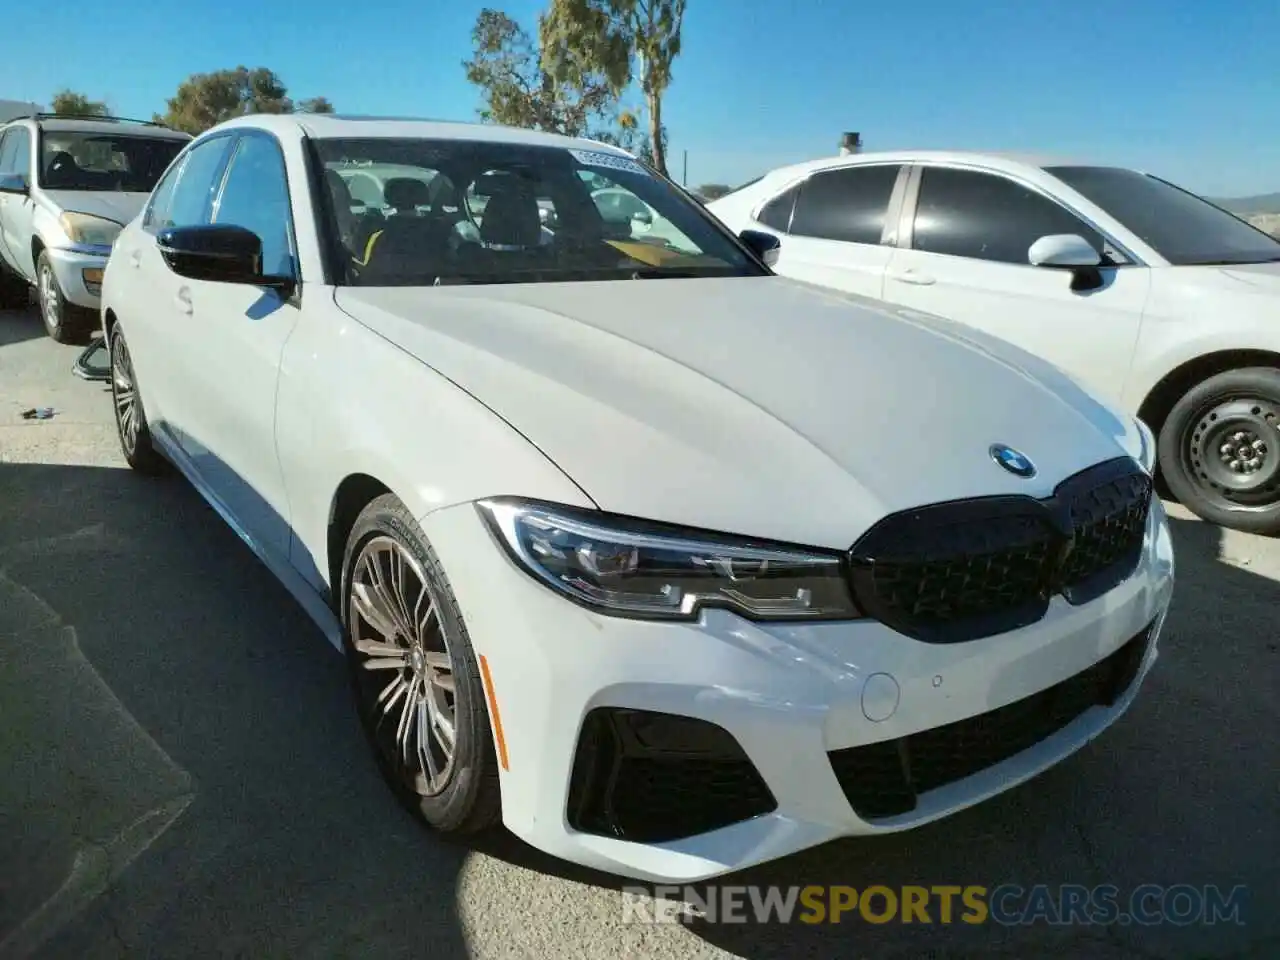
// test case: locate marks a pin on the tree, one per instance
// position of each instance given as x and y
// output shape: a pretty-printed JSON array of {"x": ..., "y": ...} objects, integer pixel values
[
  {"x": 68, "y": 103},
  {"x": 315, "y": 105},
  {"x": 713, "y": 191},
  {"x": 555, "y": 84},
  {"x": 646, "y": 31},
  {"x": 204, "y": 100}
]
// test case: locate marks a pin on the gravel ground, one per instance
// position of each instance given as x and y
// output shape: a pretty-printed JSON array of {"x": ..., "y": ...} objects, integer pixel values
[{"x": 182, "y": 775}]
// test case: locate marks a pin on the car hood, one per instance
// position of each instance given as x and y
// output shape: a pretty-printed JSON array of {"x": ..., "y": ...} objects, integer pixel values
[
  {"x": 113, "y": 205},
  {"x": 750, "y": 405},
  {"x": 1263, "y": 277}
]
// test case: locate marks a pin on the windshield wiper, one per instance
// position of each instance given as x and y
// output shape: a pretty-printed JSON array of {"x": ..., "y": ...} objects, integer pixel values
[{"x": 657, "y": 273}]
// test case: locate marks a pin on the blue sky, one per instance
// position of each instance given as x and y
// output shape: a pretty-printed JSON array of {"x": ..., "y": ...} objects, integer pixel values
[{"x": 1184, "y": 88}]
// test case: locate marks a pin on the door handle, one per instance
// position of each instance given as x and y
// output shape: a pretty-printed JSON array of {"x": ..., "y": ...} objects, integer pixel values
[
  {"x": 911, "y": 277},
  {"x": 184, "y": 300}
]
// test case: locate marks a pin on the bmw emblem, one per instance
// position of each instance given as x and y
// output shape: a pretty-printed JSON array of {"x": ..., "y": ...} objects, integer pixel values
[{"x": 1019, "y": 464}]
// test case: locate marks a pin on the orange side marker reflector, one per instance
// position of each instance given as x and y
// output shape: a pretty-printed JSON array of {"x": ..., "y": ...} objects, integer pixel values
[{"x": 494, "y": 716}]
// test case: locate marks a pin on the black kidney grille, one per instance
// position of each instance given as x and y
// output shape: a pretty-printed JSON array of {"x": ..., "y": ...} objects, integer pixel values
[
  {"x": 971, "y": 568},
  {"x": 1109, "y": 521}
]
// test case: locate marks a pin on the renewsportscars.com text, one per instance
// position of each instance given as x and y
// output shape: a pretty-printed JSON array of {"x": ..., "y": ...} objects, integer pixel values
[{"x": 1007, "y": 904}]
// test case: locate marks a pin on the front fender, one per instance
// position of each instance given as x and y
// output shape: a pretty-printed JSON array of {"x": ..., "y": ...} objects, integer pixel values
[
  {"x": 352, "y": 403},
  {"x": 1148, "y": 371}
]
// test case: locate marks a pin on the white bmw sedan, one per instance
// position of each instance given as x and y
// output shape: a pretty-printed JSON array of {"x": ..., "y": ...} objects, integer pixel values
[{"x": 671, "y": 564}]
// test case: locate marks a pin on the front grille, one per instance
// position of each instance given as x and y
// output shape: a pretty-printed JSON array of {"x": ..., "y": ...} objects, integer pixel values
[
  {"x": 884, "y": 779},
  {"x": 972, "y": 568},
  {"x": 653, "y": 777}
]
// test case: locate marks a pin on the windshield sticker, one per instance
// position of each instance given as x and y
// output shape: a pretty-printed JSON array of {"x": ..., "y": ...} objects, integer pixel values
[{"x": 607, "y": 161}]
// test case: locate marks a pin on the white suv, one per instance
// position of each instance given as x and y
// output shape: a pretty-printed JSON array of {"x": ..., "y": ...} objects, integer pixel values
[{"x": 68, "y": 185}]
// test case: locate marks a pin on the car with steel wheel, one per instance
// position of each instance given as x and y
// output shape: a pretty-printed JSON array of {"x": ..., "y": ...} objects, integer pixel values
[
  {"x": 657, "y": 557},
  {"x": 67, "y": 187},
  {"x": 1151, "y": 296}
]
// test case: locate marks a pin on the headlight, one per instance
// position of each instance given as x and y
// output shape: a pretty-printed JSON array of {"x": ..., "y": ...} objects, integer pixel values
[
  {"x": 89, "y": 230},
  {"x": 1147, "y": 451},
  {"x": 631, "y": 568}
]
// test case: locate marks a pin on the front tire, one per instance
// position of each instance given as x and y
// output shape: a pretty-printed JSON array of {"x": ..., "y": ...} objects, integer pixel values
[
  {"x": 414, "y": 674},
  {"x": 1220, "y": 450},
  {"x": 64, "y": 322},
  {"x": 131, "y": 418}
]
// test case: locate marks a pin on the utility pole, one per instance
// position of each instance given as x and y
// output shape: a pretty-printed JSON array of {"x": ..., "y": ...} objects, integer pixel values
[{"x": 684, "y": 176}]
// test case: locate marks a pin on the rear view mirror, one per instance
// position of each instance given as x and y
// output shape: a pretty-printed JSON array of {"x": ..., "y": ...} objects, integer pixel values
[
  {"x": 764, "y": 245},
  {"x": 1063, "y": 250}
]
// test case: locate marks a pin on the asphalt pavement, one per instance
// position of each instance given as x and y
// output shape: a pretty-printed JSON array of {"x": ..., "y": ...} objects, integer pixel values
[{"x": 181, "y": 774}]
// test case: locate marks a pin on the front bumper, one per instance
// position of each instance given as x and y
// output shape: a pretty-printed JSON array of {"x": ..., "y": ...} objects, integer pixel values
[
  {"x": 794, "y": 698},
  {"x": 70, "y": 265}
]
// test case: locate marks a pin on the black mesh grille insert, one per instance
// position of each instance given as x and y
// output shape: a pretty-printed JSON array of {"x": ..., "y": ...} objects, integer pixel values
[
  {"x": 971, "y": 568},
  {"x": 652, "y": 777},
  {"x": 883, "y": 779}
]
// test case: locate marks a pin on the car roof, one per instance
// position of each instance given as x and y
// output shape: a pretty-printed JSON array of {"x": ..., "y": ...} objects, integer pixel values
[
  {"x": 1008, "y": 162},
  {"x": 331, "y": 126},
  {"x": 100, "y": 124}
]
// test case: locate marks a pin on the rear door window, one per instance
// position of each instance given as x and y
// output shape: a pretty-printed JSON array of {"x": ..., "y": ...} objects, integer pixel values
[{"x": 848, "y": 204}]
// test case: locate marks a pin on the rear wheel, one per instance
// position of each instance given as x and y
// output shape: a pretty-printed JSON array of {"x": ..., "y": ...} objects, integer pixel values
[
  {"x": 415, "y": 676},
  {"x": 1220, "y": 450},
  {"x": 65, "y": 322}
]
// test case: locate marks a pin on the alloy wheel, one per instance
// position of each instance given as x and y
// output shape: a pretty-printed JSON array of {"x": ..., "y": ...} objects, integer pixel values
[
  {"x": 1232, "y": 451},
  {"x": 124, "y": 393},
  {"x": 50, "y": 299},
  {"x": 406, "y": 677}
]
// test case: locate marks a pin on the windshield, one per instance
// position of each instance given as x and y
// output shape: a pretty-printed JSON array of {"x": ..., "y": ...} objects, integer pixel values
[
  {"x": 1178, "y": 225},
  {"x": 103, "y": 162},
  {"x": 427, "y": 212}
]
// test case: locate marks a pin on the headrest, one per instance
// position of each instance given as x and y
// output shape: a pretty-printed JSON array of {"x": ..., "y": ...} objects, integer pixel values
[
  {"x": 406, "y": 193},
  {"x": 511, "y": 217}
]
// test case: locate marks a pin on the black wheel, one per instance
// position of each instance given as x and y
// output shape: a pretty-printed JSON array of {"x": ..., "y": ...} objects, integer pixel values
[
  {"x": 65, "y": 322},
  {"x": 415, "y": 676},
  {"x": 15, "y": 293},
  {"x": 1220, "y": 450},
  {"x": 131, "y": 419}
]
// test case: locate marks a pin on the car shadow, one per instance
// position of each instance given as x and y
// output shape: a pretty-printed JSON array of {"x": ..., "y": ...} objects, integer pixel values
[
  {"x": 18, "y": 326},
  {"x": 167, "y": 708},
  {"x": 1182, "y": 790},
  {"x": 189, "y": 767}
]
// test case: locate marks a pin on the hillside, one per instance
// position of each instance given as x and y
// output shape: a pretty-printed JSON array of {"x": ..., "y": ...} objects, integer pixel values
[{"x": 1242, "y": 206}]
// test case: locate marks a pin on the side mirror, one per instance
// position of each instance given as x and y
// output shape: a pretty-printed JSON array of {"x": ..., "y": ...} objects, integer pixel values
[
  {"x": 1063, "y": 250},
  {"x": 14, "y": 183},
  {"x": 764, "y": 245},
  {"x": 1069, "y": 251},
  {"x": 219, "y": 252}
]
